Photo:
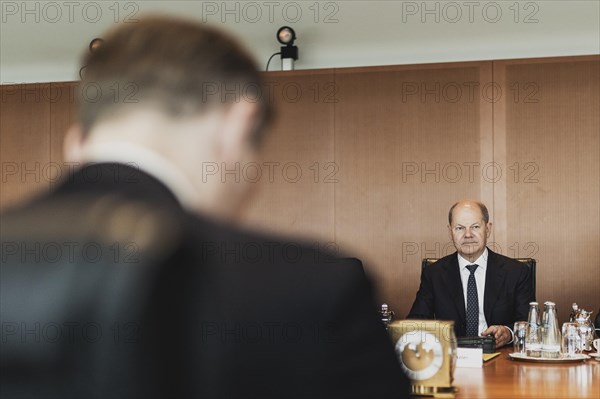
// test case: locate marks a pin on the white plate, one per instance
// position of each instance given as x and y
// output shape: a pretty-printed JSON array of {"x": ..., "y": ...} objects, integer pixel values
[
  {"x": 575, "y": 358},
  {"x": 595, "y": 355}
]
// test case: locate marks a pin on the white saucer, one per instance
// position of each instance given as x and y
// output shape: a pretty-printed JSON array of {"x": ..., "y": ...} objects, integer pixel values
[
  {"x": 578, "y": 357},
  {"x": 595, "y": 355}
]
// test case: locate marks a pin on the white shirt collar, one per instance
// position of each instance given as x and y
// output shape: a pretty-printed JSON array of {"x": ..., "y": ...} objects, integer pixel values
[
  {"x": 481, "y": 261},
  {"x": 148, "y": 161}
]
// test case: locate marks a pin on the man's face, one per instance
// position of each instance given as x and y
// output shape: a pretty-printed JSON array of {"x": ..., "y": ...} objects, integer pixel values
[{"x": 469, "y": 232}]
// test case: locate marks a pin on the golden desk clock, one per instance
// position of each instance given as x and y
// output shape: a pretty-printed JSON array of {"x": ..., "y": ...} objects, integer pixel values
[{"x": 427, "y": 353}]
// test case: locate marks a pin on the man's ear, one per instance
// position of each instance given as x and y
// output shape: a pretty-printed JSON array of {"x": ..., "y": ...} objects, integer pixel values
[
  {"x": 73, "y": 144},
  {"x": 489, "y": 229},
  {"x": 238, "y": 125}
]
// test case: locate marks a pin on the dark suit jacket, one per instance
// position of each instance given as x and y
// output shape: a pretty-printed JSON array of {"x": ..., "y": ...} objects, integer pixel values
[
  {"x": 231, "y": 314},
  {"x": 506, "y": 297}
]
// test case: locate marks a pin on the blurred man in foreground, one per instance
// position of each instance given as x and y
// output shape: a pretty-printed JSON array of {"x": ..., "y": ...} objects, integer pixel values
[
  {"x": 482, "y": 291},
  {"x": 229, "y": 313}
]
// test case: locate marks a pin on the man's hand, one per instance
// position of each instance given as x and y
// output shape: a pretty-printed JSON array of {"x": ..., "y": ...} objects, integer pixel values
[{"x": 500, "y": 333}]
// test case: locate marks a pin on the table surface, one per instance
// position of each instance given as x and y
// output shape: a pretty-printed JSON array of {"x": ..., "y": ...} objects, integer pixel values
[{"x": 505, "y": 378}]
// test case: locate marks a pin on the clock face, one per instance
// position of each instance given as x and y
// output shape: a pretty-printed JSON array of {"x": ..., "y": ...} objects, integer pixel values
[{"x": 420, "y": 353}]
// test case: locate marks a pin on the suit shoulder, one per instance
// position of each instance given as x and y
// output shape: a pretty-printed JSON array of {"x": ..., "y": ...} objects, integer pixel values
[{"x": 256, "y": 249}]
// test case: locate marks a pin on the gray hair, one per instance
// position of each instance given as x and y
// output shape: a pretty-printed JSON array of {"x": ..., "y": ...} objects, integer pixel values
[{"x": 483, "y": 208}]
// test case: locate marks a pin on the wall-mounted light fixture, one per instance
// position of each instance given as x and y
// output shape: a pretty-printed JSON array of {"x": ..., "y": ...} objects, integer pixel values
[
  {"x": 289, "y": 52},
  {"x": 94, "y": 45}
]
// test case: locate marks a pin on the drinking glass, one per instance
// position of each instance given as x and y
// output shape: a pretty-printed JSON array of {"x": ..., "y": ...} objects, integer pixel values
[
  {"x": 520, "y": 331},
  {"x": 571, "y": 340}
]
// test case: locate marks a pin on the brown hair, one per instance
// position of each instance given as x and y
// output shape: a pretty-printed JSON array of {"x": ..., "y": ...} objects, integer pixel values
[{"x": 180, "y": 66}]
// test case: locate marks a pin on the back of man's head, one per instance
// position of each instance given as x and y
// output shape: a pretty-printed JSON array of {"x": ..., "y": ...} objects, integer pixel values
[{"x": 181, "y": 67}]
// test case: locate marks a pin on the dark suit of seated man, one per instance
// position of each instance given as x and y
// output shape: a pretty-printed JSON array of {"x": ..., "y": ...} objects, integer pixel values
[
  {"x": 484, "y": 301},
  {"x": 231, "y": 313}
]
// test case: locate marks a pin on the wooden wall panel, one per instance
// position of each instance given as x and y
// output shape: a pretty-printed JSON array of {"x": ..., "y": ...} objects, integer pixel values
[
  {"x": 298, "y": 199},
  {"x": 383, "y": 153},
  {"x": 24, "y": 142},
  {"x": 403, "y": 141},
  {"x": 553, "y": 193}
]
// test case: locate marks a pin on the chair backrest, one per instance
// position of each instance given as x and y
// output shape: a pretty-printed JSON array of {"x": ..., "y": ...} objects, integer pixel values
[
  {"x": 529, "y": 262},
  {"x": 428, "y": 261}
]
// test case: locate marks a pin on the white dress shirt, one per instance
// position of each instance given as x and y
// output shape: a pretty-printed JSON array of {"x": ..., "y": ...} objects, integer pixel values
[{"x": 479, "y": 279}]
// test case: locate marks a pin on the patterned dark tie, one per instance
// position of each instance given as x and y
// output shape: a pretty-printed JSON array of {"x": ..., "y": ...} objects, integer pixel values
[{"x": 472, "y": 304}]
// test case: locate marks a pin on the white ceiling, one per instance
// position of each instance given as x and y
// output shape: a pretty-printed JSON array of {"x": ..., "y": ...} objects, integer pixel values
[{"x": 41, "y": 41}]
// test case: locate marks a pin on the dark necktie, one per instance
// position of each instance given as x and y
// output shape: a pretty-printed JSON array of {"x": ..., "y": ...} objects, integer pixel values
[{"x": 472, "y": 304}]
